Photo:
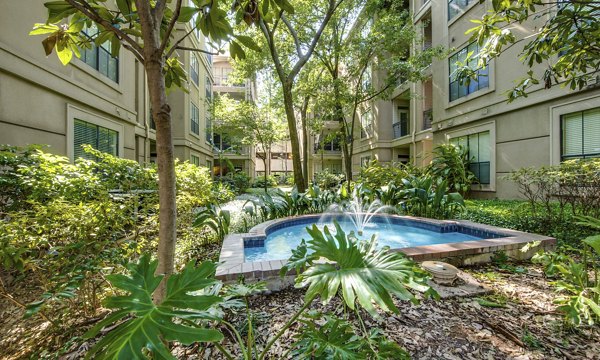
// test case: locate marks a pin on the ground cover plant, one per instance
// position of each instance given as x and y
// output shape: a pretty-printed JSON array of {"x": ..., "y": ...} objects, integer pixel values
[{"x": 65, "y": 226}]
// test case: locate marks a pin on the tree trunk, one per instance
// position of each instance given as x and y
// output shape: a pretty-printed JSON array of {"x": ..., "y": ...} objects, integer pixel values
[
  {"x": 167, "y": 215},
  {"x": 304, "y": 121},
  {"x": 288, "y": 101},
  {"x": 265, "y": 162}
]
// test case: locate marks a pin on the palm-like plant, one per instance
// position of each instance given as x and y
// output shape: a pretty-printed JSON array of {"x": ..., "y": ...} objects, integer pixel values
[{"x": 426, "y": 197}]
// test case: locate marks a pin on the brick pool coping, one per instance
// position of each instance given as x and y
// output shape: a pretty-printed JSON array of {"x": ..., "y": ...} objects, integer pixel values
[{"x": 232, "y": 263}]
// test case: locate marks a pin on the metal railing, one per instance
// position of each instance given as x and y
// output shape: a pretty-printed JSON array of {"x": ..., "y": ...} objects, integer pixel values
[{"x": 399, "y": 130}]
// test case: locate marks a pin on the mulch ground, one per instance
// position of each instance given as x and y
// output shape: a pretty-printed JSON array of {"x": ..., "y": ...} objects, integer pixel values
[{"x": 527, "y": 327}]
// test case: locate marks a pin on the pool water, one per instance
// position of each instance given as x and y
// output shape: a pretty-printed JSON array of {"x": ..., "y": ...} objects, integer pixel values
[{"x": 279, "y": 244}]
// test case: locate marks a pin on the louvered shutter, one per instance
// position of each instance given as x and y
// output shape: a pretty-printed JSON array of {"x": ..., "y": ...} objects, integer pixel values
[
  {"x": 572, "y": 133},
  {"x": 591, "y": 132}
]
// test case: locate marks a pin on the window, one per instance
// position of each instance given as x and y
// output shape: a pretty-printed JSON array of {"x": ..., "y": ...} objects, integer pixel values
[
  {"x": 479, "y": 154},
  {"x": 364, "y": 161},
  {"x": 195, "y": 117},
  {"x": 460, "y": 89},
  {"x": 194, "y": 160},
  {"x": 194, "y": 69},
  {"x": 401, "y": 126},
  {"x": 367, "y": 79},
  {"x": 208, "y": 127},
  {"x": 209, "y": 165},
  {"x": 457, "y": 7},
  {"x": 99, "y": 57},
  {"x": 100, "y": 138},
  {"x": 580, "y": 134},
  {"x": 366, "y": 122}
]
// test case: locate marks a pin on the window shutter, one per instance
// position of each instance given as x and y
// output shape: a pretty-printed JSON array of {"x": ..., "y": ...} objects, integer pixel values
[
  {"x": 591, "y": 132},
  {"x": 572, "y": 135},
  {"x": 84, "y": 133}
]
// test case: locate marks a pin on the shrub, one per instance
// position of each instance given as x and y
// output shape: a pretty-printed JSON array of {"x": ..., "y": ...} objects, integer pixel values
[
  {"x": 518, "y": 215},
  {"x": 237, "y": 181},
  {"x": 64, "y": 225},
  {"x": 376, "y": 175},
  {"x": 328, "y": 180},
  {"x": 451, "y": 163},
  {"x": 574, "y": 185},
  {"x": 429, "y": 197},
  {"x": 259, "y": 181}
]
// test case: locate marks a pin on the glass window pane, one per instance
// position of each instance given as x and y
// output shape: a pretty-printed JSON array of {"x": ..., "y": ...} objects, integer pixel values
[
  {"x": 572, "y": 134},
  {"x": 591, "y": 131},
  {"x": 484, "y": 147},
  {"x": 103, "y": 62},
  {"x": 113, "y": 66},
  {"x": 453, "y": 91},
  {"x": 474, "y": 147}
]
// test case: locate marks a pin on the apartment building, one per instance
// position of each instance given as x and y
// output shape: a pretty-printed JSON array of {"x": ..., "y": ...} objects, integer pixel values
[
  {"x": 324, "y": 150},
  {"x": 241, "y": 157},
  {"x": 547, "y": 127},
  {"x": 97, "y": 99}
]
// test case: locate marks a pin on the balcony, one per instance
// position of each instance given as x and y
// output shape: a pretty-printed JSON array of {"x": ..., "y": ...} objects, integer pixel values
[
  {"x": 222, "y": 80},
  {"x": 427, "y": 119},
  {"x": 400, "y": 129}
]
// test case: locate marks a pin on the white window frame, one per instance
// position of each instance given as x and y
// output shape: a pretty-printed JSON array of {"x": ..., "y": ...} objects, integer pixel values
[
  {"x": 556, "y": 113},
  {"x": 74, "y": 112},
  {"x": 491, "y": 127}
]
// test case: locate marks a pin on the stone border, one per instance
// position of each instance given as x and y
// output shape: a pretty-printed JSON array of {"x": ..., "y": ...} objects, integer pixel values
[{"x": 232, "y": 264}]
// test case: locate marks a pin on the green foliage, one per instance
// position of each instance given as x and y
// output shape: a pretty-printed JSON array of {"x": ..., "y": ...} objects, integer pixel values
[
  {"x": 518, "y": 215},
  {"x": 214, "y": 218},
  {"x": 427, "y": 197},
  {"x": 567, "y": 43},
  {"x": 328, "y": 180},
  {"x": 376, "y": 175},
  {"x": 148, "y": 325},
  {"x": 336, "y": 339},
  {"x": 451, "y": 163},
  {"x": 237, "y": 181},
  {"x": 348, "y": 267},
  {"x": 259, "y": 181},
  {"x": 64, "y": 226}
]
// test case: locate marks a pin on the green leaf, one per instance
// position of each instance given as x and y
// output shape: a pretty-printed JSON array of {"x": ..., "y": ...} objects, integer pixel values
[
  {"x": 148, "y": 324},
  {"x": 187, "y": 13},
  {"x": 361, "y": 272},
  {"x": 333, "y": 340},
  {"x": 593, "y": 242},
  {"x": 248, "y": 42},
  {"x": 236, "y": 51}
]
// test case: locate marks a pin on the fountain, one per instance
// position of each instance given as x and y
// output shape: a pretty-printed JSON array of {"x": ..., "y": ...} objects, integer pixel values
[{"x": 359, "y": 211}]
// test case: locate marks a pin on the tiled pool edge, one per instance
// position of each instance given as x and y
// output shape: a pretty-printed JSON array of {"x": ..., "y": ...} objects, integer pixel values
[{"x": 232, "y": 265}]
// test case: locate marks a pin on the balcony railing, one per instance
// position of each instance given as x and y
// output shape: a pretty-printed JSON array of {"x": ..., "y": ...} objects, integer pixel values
[
  {"x": 427, "y": 119},
  {"x": 399, "y": 129},
  {"x": 222, "y": 80}
]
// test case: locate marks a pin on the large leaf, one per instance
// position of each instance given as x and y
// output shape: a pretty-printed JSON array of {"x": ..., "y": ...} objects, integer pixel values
[
  {"x": 336, "y": 339},
  {"x": 360, "y": 271},
  {"x": 593, "y": 242},
  {"x": 148, "y": 325}
]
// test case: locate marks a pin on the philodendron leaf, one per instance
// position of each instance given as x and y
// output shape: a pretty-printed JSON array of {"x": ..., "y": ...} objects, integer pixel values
[
  {"x": 359, "y": 271},
  {"x": 147, "y": 325},
  {"x": 593, "y": 242}
]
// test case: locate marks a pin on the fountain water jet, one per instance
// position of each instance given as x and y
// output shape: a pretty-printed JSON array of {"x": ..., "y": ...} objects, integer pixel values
[{"x": 360, "y": 211}]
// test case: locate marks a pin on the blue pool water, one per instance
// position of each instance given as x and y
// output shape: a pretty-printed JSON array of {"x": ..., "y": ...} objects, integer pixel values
[{"x": 279, "y": 244}]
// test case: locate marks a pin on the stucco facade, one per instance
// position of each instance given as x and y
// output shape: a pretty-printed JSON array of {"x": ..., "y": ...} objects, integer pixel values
[
  {"x": 524, "y": 133},
  {"x": 41, "y": 100}
]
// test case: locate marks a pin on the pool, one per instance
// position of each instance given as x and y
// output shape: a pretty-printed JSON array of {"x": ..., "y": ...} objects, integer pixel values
[
  {"x": 279, "y": 243},
  {"x": 263, "y": 251}
]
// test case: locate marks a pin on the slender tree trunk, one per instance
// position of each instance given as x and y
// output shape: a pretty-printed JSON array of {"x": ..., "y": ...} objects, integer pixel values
[
  {"x": 167, "y": 215},
  {"x": 288, "y": 101},
  {"x": 265, "y": 162},
  {"x": 305, "y": 150}
]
